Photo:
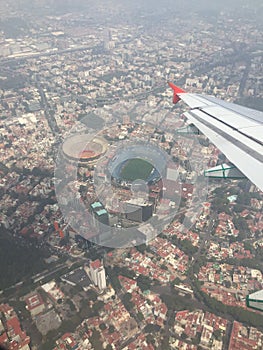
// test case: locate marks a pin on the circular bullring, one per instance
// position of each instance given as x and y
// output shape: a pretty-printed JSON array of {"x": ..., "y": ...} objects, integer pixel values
[{"x": 81, "y": 148}]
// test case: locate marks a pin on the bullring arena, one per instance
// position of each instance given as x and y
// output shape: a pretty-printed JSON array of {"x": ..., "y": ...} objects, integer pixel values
[{"x": 79, "y": 148}]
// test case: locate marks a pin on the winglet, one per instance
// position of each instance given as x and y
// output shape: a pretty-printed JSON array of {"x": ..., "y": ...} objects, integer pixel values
[{"x": 176, "y": 90}]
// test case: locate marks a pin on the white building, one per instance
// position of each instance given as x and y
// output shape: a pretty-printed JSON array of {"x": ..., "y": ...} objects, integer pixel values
[{"x": 97, "y": 274}]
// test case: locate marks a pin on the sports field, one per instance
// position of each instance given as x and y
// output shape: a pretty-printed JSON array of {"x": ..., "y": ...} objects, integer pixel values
[{"x": 136, "y": 168}]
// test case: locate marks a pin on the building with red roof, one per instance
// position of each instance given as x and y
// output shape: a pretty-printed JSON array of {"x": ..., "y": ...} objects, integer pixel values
[
  {"x": 35, "y": 304},
  {"x": 11, "y": 333}
]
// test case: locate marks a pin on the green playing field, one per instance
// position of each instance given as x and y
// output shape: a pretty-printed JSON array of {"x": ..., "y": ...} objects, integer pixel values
[{"x": 135, "y": 169}]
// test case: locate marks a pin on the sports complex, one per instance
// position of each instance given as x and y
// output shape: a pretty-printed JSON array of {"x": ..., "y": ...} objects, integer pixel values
[
  {"x": 81, "y": 148},
  {"x": 138, "y": 162}
]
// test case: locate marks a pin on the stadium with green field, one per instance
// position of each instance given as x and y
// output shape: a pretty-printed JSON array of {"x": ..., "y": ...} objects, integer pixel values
[{"x": 134, "y": 169}]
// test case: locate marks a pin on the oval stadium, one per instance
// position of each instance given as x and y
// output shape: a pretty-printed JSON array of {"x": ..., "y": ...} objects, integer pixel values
[
  {"x": 81, "y": 149},
  {"x": 137, "y": 162}
]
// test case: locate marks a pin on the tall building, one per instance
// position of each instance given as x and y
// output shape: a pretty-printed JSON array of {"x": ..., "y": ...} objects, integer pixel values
[
  {"x": 106, "y": 39},
  {"x": 97, "y": 274},
  {"x": 100, "y": 222},
  {"x": 138, "y": 209}
]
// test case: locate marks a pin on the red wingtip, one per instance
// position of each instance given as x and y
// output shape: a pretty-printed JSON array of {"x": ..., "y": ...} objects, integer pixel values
[{"x": 176, "y": 90}]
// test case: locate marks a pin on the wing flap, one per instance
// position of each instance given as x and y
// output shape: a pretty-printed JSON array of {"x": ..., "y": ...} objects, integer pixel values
[
  {"x": 229, "y": 117},
  {"x": 236, "y": 130},
  {"x": 247, "y": 163},
  {"x": 232, "y": 134},
  {"x": 255, "y": 132}
]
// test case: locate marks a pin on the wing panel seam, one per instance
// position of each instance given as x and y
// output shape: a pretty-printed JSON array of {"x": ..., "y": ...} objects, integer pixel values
[
  {"x": 233, "y": 140},
  {"x": 230, "y": 126}
]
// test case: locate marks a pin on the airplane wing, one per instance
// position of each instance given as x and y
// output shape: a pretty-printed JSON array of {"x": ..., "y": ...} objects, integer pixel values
[{"x": 236, "y": 130}]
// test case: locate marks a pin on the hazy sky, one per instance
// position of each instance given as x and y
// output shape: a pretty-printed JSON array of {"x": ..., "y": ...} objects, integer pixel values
[
  {"x": 138, "y": 12},
  {"x": 196, "y": 5}
]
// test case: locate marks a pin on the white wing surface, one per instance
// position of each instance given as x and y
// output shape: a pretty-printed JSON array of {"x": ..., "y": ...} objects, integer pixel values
[{"x": 236, "y": 130}]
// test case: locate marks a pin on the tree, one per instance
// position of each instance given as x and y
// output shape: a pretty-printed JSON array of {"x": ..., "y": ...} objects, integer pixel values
[
  {"x": 97, "y": 307},
  {"x": 184, "y": 336},
  {"x": 127, "y": 301},
  {"x": 111, "y": 329},
  {"x": 164, "y": 267},
  {"x": 241, "y": 224},
  {"x": 227, "y": 284},
  {"x": 140, "y": 316},
  {"x": 102, "y": 326},
  {"x": 71, "y": 305},
  {"x": 92, "y": 295},
  {"x": 150, "y": 339},
  {"x": 152, "y": 328},
  {"x": 144, "y": 282},
  {"x": 217, "y": 334},
  {"x": 96, "y": 340},
  {"x": 141, "y": 248},
  {"x": 176, "y": 281},
  {"x": 220, "y": 204},
  {"x": 113, "y": 279}
]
